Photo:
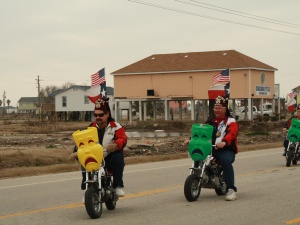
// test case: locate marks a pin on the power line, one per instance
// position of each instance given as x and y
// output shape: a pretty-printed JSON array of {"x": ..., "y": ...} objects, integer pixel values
[
  {"x": 209, "y": 17},
  {"x": 251, "y": 16}
]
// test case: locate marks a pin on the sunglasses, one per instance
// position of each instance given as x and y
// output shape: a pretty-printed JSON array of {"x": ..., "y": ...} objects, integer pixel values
[{"x": 99, "y": 114}]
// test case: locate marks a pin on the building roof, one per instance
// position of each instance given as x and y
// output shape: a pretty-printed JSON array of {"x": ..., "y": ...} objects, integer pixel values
[
  {"x": 193, "y": 61},
  {"x": 109, "y": 90},
  {"x": 296, "y": 88},
  {"x": 28, "y": 99}
]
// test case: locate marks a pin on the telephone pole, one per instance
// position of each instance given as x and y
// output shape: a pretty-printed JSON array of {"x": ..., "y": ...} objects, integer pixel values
[
  {"x": 4, "y": 97},
  {"x": 39, "y": 98}
]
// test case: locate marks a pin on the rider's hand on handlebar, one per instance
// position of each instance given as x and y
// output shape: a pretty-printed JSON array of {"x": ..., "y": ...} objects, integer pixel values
[
  {"x": 186, "y": 142},
  {"x": 111, "y": 148},
  {"x": 73, "y": 156},
  {"x": 220, "y": 145}
]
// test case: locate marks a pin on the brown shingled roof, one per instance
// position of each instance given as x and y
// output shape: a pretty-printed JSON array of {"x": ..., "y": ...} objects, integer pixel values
[{"x": 193, "y": 61}]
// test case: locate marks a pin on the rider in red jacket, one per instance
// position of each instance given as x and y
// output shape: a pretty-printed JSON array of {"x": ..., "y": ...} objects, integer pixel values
[{"x": 113, "y": 138}]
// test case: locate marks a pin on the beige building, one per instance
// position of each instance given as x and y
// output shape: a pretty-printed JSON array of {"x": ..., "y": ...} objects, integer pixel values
[{"x": 189, "y": 76}]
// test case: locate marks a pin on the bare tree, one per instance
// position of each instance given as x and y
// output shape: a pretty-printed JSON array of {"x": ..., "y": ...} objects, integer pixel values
[
  {"x": 46, "y": 91},
  {"x": 67, "y": 85}
]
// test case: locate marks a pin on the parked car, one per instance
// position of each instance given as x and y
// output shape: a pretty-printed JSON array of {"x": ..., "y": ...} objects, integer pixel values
[{"x": 240, "y": 113}]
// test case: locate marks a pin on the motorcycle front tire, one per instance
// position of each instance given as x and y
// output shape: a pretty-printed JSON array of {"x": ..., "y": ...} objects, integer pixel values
[
  {"x": 92, "y": 202},
  {"x": 289, "y": 157},
  {"x": 191, "y": 190}
]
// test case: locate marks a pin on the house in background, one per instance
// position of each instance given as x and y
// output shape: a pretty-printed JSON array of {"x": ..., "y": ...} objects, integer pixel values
[
  {"x": 28, "y": 105},
  {"x": 73, "y": 103},
  {"x": 297, "y": 90},
  {"x": 189, "y": 76},
  {"x": 68, "y": 104},
  {"x": 8, "y": 109}
]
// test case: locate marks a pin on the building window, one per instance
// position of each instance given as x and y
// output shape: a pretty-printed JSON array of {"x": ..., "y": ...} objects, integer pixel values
[
  {"x": 64, "y": 101},
  {"x": 86, "y": 100}
]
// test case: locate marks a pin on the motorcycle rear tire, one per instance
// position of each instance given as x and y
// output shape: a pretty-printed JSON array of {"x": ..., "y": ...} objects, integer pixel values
[
  {"x": 92, "y": 202},
  {"x": 222, "y": 189},
  {"x": 191, "y": 190},
  {"x": 289, "y": 156},
  {"x": 111, "y": 203}
]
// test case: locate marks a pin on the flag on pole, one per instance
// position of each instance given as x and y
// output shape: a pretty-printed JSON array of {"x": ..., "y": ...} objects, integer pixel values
[
  {"x": 103, "y": 90},
  {"x": 292, "y": 94},
  {"x": 216, "y": 90},
  {"x": 98, "y": 86},
  {"x": 291, "y": 105},
  {"x": 93, "y": 93},
  {"x": 223, "y": 76},
  {"x": 227, "y": 90},
  {"x": 98, "y": 78}
]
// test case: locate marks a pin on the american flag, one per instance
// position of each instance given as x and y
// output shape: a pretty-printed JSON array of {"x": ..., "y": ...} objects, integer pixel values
[
  {"x": 98, "y": 78},
  {"x": 221, "y": 77},
  {"x": 292, "y": 94}
]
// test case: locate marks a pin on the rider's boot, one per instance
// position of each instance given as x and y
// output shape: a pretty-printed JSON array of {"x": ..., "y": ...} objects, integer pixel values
[{"x": 284, "y": 153}]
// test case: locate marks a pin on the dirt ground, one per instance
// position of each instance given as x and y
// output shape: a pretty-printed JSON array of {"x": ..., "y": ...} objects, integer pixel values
[{"x": 29, "y": 148}]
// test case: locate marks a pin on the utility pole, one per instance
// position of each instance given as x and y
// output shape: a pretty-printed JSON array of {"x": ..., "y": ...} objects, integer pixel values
[
  {"x": 39, "y": 98},
  {"x": 4, "y": 97}
]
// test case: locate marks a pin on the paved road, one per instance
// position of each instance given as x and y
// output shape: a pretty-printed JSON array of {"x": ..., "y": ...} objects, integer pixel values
[{"x": 268, "y": 193}]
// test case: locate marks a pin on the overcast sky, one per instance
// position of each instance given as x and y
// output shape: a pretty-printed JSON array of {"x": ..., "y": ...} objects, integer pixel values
[{"x": 68, "y": 40}]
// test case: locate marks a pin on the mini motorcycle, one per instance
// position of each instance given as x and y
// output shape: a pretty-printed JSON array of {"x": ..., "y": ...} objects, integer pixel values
[
  {"x": 99, "y": 190},
  {"x": 293, "y": 136},
  {"x": 206, "y": 173},
  {"x": 99, "y": 181}
]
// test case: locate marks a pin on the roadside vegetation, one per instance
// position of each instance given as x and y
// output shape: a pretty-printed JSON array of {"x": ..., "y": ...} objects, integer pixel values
[{"x": 28, "y": 147}]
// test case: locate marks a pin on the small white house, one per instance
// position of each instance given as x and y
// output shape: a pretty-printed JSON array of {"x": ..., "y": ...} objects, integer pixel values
[{"x": 73, "y": 103}]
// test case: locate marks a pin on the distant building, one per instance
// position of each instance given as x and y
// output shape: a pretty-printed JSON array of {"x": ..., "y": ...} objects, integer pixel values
[
  {"x": 68, "y": 104},
  {"x": 8, "y": 109},
  {"x": 189, "y": 76},
  {"x": 28, "y": 105}
]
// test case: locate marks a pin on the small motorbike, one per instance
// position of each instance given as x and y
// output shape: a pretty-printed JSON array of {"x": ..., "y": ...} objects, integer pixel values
[
  {"x": 293, "y": 136},
  {"x": 99, "y": 181},
  {"x": 206, "y": 173},
  {"x": 292, "y": 153},
  {"x": 99, "y": 190}
]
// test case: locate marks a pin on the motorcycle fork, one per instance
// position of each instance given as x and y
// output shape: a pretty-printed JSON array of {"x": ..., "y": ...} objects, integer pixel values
[{"x": 203, "y": 165}]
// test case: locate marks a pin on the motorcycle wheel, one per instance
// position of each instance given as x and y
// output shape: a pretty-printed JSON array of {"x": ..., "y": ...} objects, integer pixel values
[
  {"x": 294, "y": 161},
  {"x": 222, "y": 189},
  {"x": 191, "y": 190},
  {"x": 296, "y": 158},
  {"x": 92, "y": 202},
  {"x": 289, "y": 156},
  {"x": 111, "y": 202}
]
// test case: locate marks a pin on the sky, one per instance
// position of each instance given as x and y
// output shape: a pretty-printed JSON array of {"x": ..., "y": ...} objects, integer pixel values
[{"x": 61, "y": 41}]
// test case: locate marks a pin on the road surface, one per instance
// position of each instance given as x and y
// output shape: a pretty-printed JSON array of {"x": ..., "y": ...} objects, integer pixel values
[{"x": 268, "y": 193}]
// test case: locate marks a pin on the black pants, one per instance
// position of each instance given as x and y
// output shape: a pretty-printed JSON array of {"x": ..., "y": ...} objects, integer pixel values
[
  {"x": 285, "y": 144},
  {"x": 115, "y": 162}
]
